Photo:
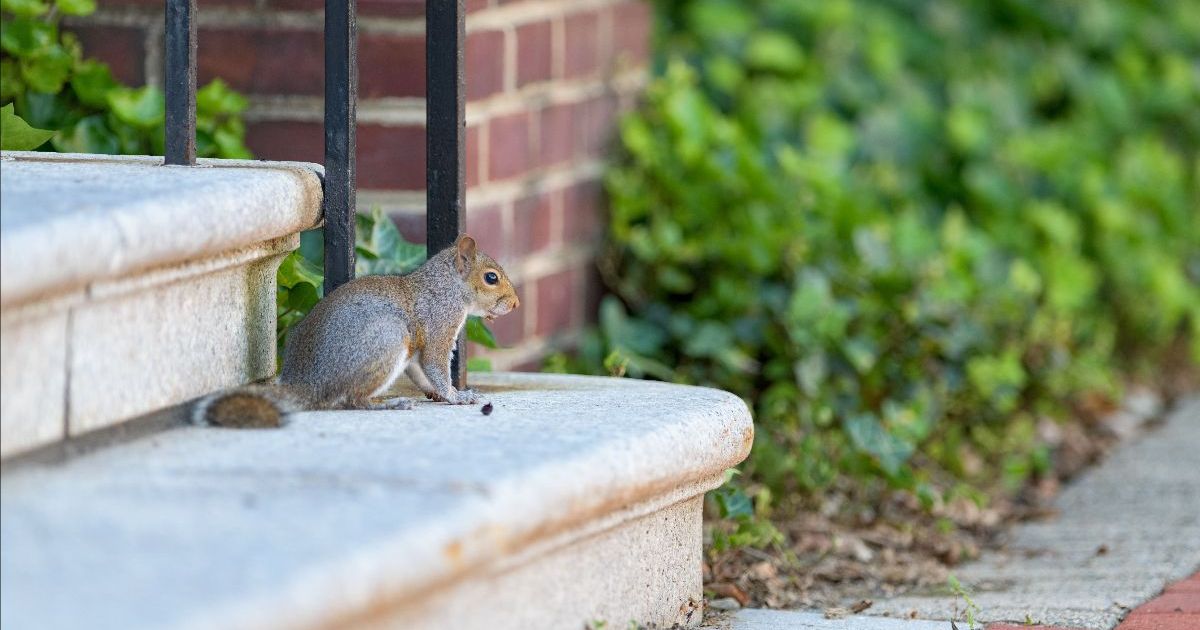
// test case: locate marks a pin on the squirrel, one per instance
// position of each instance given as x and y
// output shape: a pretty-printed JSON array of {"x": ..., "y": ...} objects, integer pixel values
[{"x": 355, "y": 342}]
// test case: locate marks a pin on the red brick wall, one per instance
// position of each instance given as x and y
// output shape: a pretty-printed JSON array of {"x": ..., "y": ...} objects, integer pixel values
[{"x": 545, "y": 80}]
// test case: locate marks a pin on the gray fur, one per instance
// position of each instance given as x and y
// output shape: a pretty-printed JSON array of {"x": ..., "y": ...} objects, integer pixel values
[{"x": 361, "y": 337}]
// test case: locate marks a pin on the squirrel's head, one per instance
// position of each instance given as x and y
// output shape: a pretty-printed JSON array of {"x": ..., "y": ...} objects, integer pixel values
[{"x": 490, "y": 287}]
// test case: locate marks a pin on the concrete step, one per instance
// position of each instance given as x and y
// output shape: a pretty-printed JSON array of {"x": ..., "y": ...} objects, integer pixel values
[
  {"x": 577, "y": 500},
  {"x": 127, "y": 286}
]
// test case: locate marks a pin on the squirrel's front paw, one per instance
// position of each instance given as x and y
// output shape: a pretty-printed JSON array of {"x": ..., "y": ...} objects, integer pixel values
[{"x": 466, "y": 397}]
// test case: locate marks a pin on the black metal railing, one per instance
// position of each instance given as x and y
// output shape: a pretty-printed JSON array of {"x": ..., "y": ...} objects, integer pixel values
[{"x": 445, "y": 130}]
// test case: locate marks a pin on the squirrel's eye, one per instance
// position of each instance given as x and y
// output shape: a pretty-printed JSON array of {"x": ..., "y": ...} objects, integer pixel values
[{"x": 491, "y": 277}]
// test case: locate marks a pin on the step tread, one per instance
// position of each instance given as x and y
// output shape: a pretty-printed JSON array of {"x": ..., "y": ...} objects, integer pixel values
[
  {"x": 137, "y": 214},
  {"x": 339, "y": 511}
]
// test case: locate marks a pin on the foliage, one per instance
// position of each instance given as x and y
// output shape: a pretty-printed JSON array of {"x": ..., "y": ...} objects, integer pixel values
[
  {"x": 17, "y": 135},
  {"x": 46, "y": 83},
  {"x": 743, "y": 521},
  {"x": 907, "y": 231},
  {"x": 380, "y": 249}
]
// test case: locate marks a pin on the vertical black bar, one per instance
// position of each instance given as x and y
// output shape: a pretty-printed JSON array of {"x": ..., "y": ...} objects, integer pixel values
[
  {"x": 341, "y": 97},
  {"x": 180, "y": 119},
  {"x": 445, "y": 136}
]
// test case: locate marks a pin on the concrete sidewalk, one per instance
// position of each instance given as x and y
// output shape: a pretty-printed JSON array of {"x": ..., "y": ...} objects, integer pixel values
[{"x": 1126, "y": 530}]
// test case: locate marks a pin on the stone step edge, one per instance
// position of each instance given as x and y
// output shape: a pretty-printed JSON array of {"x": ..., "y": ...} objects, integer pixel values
[{"x": 282, "y": 612}]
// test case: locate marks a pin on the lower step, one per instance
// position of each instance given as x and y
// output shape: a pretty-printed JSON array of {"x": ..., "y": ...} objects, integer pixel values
[{"x": 577, "y": 500}]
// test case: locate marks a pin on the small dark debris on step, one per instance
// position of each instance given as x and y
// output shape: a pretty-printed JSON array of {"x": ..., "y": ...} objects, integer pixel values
[
  {"x": 486, "y": 409},
  {"x": 1102, "y": 550}
]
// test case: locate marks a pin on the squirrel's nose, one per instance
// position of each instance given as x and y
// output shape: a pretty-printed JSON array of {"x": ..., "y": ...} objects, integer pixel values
[{"x": 516, "y": 302}]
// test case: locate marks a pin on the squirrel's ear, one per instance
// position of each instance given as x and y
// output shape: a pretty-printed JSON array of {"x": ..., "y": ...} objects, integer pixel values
[{"x": 465, "y": 254}]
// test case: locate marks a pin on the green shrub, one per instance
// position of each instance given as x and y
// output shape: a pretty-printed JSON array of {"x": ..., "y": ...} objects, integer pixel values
[
  {"x": 906, "y": 230},
  {"x": 78, "y": 104}
]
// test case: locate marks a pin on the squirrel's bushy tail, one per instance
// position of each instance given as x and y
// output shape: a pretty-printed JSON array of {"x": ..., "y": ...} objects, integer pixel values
[{"x": 257, "y": 406}]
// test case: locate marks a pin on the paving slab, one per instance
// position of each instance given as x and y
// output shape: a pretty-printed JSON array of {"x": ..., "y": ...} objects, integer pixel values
[
  {"x": 761, "y": 619},
  {"x": 1125, "y": 530}
]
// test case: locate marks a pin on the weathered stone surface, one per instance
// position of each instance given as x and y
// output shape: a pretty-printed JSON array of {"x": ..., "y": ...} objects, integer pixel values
[
  {"x": 644, "y": 570},
  {"x": 345, "y": 516},
  {"x": 127, "y": 286},
  {"x": 759, "y": 619},
  {"x": 103, "y": 217},
  {"x": 144, "y": 349},
  {"x": 33, "y": 364}
]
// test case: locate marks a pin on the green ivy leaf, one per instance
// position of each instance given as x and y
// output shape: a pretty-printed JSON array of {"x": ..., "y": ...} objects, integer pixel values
[
  {"x": 17, "y": 135},
  {"x": 869, "y": 436},
  {"x": 141, "y": 107},
  {"x": 302, "y": 297},
  {"x": 218, "y": 98},
  {"x": 478, "y": 332},
  {"x": 11, "y": 85},
  {"x": 92, "y": 81},
  {"x": 89, "y": 135},
  {"x": 24, "y": 8},
  {"x": 46, "y": 69},
  {"x": 76, "y": 7},
  {"x": 381, "y": 249},
  {"x": 22, "y": 37},
  {"x": 479, "y": 364},
  {"x": 296, "y": 269}
]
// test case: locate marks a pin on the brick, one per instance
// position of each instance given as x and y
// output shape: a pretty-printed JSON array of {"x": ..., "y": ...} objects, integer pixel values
[
  {"x": 508, "y": 146},
  {"x": 582, "y": 212},
  {"x": 410, "y": 224},
  {"x": 390, "y": 65},
  {"x": 559, "y": 137},
  {"x": 555, "y": 296},
  {"x": 472, "y": 159},
  {"x": 263, "y": 60},
  {"x": 391, "y": 158},
  {"x": 1160, "y": 621},
  {"x": 510, "y": 329},
  {"x": 388, "y": 158},
  {"x": 484, "y": 58},
  {"x": 596, "y": 124},
  {"x": 1176, "y": 602},
  {"x": 534, "y": 53},
  {"x": 286, "y": 140},
  {"x": 528, "y": 365},
  {"x": 158, "y": 4},
  {"x": 379, "y": 8},
  {"x": 486, "y": 224},
  {"x": 633, "y": 24},
  {"x": 1189, "y": 585},
  {"x": 477, "y": 5},
  {"x": 593, "y": 293},
  {"x": 533, "y": 221},
  {"x": 122, "y": 48},
  {"x": 291, "y": 61},
  {"x": 582, "y": 45}
]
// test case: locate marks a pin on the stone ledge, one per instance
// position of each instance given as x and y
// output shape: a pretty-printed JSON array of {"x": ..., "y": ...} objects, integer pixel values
[
  {"x": 105, "y": 217},
  {"x": 374, "y": 517},
  {"x": 126, "y": 286}
]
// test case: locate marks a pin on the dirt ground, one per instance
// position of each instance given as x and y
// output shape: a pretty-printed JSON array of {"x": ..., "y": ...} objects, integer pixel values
[{"x": 847, "y": 550}]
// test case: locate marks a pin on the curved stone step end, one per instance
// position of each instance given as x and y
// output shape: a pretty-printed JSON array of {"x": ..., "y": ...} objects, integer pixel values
[{"x": 577, "y": 500}]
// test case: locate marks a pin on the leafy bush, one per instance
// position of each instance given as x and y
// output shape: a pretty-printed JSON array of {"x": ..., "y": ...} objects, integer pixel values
[
  {"x": 77, "y": 103},
  {"x": 906, "y": 230}
]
